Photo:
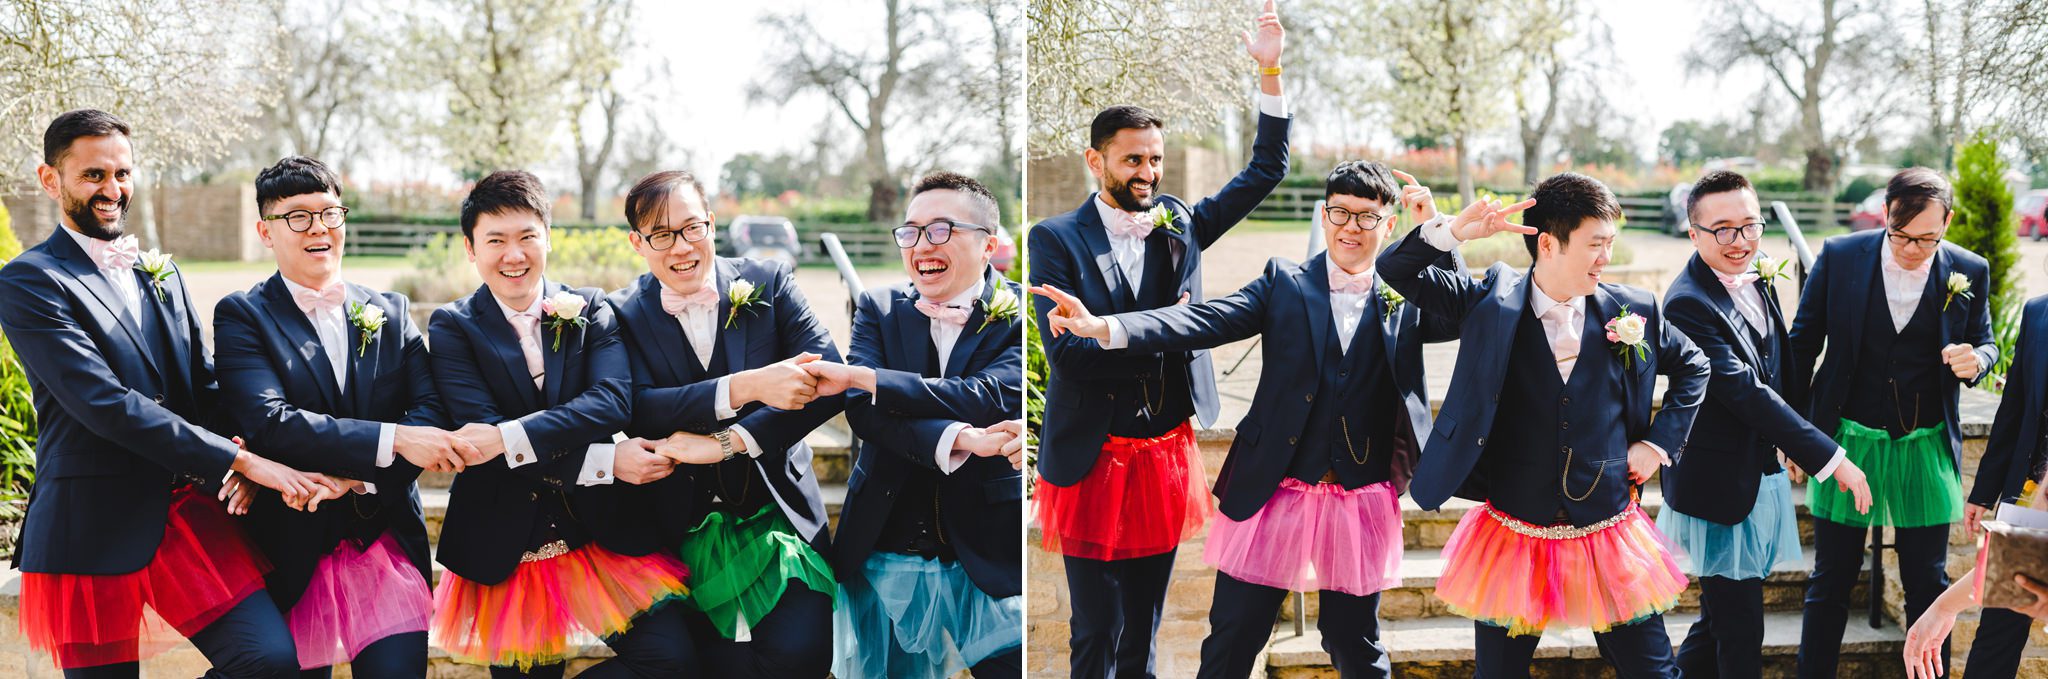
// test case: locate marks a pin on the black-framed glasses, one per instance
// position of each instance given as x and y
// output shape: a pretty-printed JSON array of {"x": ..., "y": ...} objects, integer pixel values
[
  {"x": 1924, "y": 243},
  {"x": 301, "y": 221},
  {"x": 666, "y": 238},
  {"x": 937, "y": 232},
  {"x": 1727, "y": 234},
  {"x": 1366, "y": 221}
]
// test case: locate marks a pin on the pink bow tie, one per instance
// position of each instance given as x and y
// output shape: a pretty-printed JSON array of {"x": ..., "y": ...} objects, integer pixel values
[
  {"x": 115, "y": 255},
  {"x": 950, "y": 314},
  {"x": 675, "y": 303},
  {"x": 311, "y": 301},
  {"x": 1356, "y": 284},
  {"x": 1911, "y": 275},
  {"x": 1132, "y": 225},
  {"x": 1736, "y": 281}
]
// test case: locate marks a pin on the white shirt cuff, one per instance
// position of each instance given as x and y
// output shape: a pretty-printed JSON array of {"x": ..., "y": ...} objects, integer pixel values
[
  {"x": 753, "y": 449},
  {"x": 597, "y": 465},
  {"x": 1437, "y": 233},
  {"x": 1118, "y": 337},
  {"x": 1829, "y": 469},
  {"x": 1658, "y": 448},
  {"x": 1273, "y": 105},
  {"x": 947, "y": 458},
  {"x": 387, "y": 440},
  {"x": 367, "y": 489},
  {"x": 518, "y": 450},
  {"x": 722, "y": 401}
]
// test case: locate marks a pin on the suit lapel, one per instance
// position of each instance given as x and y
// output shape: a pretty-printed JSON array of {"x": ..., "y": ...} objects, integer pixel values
[
  {"x": 734, "y": 335},
  {"x": 913, "y": 332},
  {"x": 1724, "y": 304},
  {"x": 1595, "y": 352},
  {"x": 554, "y": 352},
  {"x": 972, "y": 335},
  {"x": 503, "y": 344},
  {"x": 81, "y": 267},
  {"x": 1391, "y": 328},
  {"x": 285, "y": 316},
  {"x": 665, "y": 330},
  {"x": 1096, "y": 236},
  {"x": 1858, "y": 293},
  {"x": 1314, "y": 280},
  {"x": 1937, "y": 290},
  {"x": 363, "y": 356},
  {"x": 169, "y": 322}
]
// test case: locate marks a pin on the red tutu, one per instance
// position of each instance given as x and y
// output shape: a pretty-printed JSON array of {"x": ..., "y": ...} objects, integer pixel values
[
  {"x": 204, "y": 567},
  {"x": 1141, "y": 498}
]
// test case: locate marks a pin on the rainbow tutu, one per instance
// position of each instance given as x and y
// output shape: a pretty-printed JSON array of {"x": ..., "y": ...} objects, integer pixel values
[
  {"x": 1528, "y": 578},
  {"x": 530, "y": 618},
  {"x": 1315, "y": 537},
  {"x": 1140, "y": 499},
  {"x": 357, "y": 596}
]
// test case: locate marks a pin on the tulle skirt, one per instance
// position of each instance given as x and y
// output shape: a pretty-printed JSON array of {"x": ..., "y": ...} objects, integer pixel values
[
  {"x": 1527, "y": 578},
  {"x": 1141, "y": 498},
  {"x": 357, "y": 596},
  {"x": 739, "y": 567},
  {"x": 531, "y": 617},
  {"x": 918, "y": 618},
  {"x": 1913, "y": 481},
  {"x": 1315, "y": 537},
  {"x": 1767, "y": 537},
  {"x": 204, "y": 567}
]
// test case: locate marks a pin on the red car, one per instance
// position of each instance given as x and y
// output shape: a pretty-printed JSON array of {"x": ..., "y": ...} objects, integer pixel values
[
  {"x": 2030, "y": 206},
  {"x": 1868, "y": 214}
]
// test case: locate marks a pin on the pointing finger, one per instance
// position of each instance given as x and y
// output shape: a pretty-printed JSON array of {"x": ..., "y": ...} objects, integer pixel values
[
  {"x": 1270, "y": 8},
  {"x": 1518, "y": 207},
  {"x": 1405, "y": 178}
]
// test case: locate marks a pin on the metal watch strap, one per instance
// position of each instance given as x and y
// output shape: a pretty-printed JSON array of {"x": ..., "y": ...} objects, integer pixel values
[{"x": 724, "y": 437}]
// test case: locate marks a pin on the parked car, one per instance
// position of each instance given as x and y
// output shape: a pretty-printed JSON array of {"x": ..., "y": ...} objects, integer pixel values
[
  {"x": 761, "y": 237},
  {"x": 2030, "y": 207},
  {"x": 1675, "y": 219},
  {"x": 1868, "y": 214},
  {"x": 1006, "y": 251}
]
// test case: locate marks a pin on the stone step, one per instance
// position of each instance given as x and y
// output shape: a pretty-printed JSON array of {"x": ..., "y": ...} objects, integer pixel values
[
  {"x": 1415, "y": 598},
  {"x": 831, "y": 456},
  {"x": 1441, "y": 647},
  {"x": 434, "y": 504}
]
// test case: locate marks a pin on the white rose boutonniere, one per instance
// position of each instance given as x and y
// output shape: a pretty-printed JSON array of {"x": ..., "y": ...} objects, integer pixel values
[
  {"x": 1001, "y": 306},
  {"x": 158, "y": 266},
  {"x": 1958, "y": 286},
  {"x": 1626, "y": 331},
  {"x": 564, "y": 310},
  {"x": 743, "y": 295},
  {"x": 1163, "y": 218},
  {"x": 367, "y": 319}
]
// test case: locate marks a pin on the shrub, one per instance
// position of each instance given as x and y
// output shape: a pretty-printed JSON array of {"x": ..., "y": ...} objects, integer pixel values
[
  {"x": 441, "y": 271},
  {"x": 1985, "y": 224}
]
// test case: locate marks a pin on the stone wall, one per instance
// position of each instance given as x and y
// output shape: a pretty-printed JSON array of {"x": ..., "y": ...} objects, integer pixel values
[{"x": 195, "y": 223}]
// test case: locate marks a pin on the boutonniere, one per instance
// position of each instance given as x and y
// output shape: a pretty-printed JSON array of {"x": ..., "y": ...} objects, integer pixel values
[
  {"x": 742, "y": 294},
  {"x": 562, "y": 311},
  {"x": 1958, "y": 286},
  {"x": 367, "y": 319},
  {"x": 1001, "y": 306},
  {"x": 1393, "y": 300},
  {"x": 1625, "y": 331},
  {"x": 1163, "y": 218},
  {"x": 157, "y": 266},
  {"x": 1771, "y": 270}
]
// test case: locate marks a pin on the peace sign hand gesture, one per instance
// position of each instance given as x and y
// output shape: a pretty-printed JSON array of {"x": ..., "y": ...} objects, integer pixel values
[
  {"x": 1487, "y": 217},
  {"x": 1416, "y": 197}
]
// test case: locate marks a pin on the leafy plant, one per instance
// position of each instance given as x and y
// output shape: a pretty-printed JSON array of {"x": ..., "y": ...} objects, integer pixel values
[
  {"x": 1034, "y": 377},
  {"x": 17, "y": 418},
  {"x": 600, "y": 257},
  {"x": 1985, "y": 224}
]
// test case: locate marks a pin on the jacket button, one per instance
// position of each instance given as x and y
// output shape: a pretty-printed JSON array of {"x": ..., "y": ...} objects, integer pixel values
[
  {"x": 1565, "y": 401},
  {"x": 1311, "y": 398},
  {"x": 1566, "y": 450},
  {"x": 533, "y": 497},
  {"x": 159, "y": 398},
  {"x": 1564, "y": 425},
  {"x": 1290, "y": 440},
  {"x": 1112, "y": 397},
  {"x": 1482, "y": 440},
  {"x": 1343, "y": 374}
]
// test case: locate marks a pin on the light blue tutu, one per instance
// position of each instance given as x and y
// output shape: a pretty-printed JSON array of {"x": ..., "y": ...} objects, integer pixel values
[
  {"x": 918, "y": 618},
  {"x": 1767, "y": 537}
]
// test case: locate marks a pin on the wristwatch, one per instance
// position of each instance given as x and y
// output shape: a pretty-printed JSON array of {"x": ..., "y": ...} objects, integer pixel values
[{"x": 724, "y": 437}]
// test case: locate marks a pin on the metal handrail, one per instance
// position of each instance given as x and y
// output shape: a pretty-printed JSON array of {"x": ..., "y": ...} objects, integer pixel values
[
  {"x": 1802, "y": 253},
  {"x": 854, "y": 290}
]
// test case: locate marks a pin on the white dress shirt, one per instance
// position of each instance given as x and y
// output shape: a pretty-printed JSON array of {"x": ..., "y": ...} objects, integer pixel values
[
  {"x": 335, "y": 341},
  {"x": 124, "y": 281},
  {"x": 1347, "y": 308},
  {"x": 1749, "y": 304},
  {"x": 944, "y": 338},
  {"x": 1902, "y": 286},
  {"x": 597, "y": 460}
]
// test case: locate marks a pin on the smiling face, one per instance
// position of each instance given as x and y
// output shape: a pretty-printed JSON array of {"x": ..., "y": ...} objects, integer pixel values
[
  {"x": 91, "y": 183},
  {"x": 313, "y": 258},
  {"x": 1572, "y": 268},
  {"x": 942, "y": 272},
  {"x": 510, "y": 250},
  {"x": 684, "y": 266},
  {"x": 1726, "y": 210},
  {"x": 1351, "y": 248},
  {"x": 1128, "y": 167}
]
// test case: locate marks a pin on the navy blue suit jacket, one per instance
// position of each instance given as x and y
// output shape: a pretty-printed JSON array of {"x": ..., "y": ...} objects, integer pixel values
[
  {"x": 117, "y": 423},
  {"x": 672, "y": 394},
  {"x": 1283, "y": 302},
  {"x": 482, "y": 377},
  {"x": 1488, "y": 312},
  {"x": 1831, "y": 310},
  {"x": 983, "y": 385},
  {"x": 276, "y": 383},
  {"x": 1744, "y": 420},
  {"x": 2022, "y": 414},
  {"x": 1071, "y": 252}
]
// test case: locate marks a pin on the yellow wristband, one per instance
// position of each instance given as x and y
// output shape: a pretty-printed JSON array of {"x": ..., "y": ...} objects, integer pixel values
[{"x": 1269, "y": 70}]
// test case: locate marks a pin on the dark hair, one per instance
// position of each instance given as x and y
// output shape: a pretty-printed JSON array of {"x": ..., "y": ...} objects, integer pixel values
[
  {"x": 71, "y": 125},
  {"x": 1563, "y": 202},
  {"x": 1119, "y": 118},
  {"x": 1368, "y": 179},
  {"x": 1718, "y": 181},
  {"x": 984, "y": 200},
  {"x": 1913, "y": 190},
  {"x": 648, "y": 201},
  {"x": 294, "y": 176},
  {"x": 504, "y": 191}
]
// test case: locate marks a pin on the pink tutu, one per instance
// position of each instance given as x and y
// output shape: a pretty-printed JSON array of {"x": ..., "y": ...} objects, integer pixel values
[
  {"x": 356, "y": 597},
  {"x": 1527, "y": 578},
  {"x": 1315, "y": 537}
]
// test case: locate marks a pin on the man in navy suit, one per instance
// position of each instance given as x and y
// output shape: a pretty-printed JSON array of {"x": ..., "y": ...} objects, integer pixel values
[
  {"x": 715, "y": 346},
  {"x": 334, "y": 377},
  {"x": 1131, "y": 248},
  {"x": 1311, "y": 490},
  {"x": 2016, "y": 454},
  {"x": 935, "y": 508},
  {"x": 536, "y": 551},
  {"x": 1727, "y": 501},
  {"x": 1906, "y": 322},
  {"x": 124, "y": 395},
  {"x": 1550, "y": 425}
]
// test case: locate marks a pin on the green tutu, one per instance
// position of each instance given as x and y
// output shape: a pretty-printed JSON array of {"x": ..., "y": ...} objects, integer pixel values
[
  {"x": 1913, "y": 483},
  {"x": 741, "y": 566}
]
